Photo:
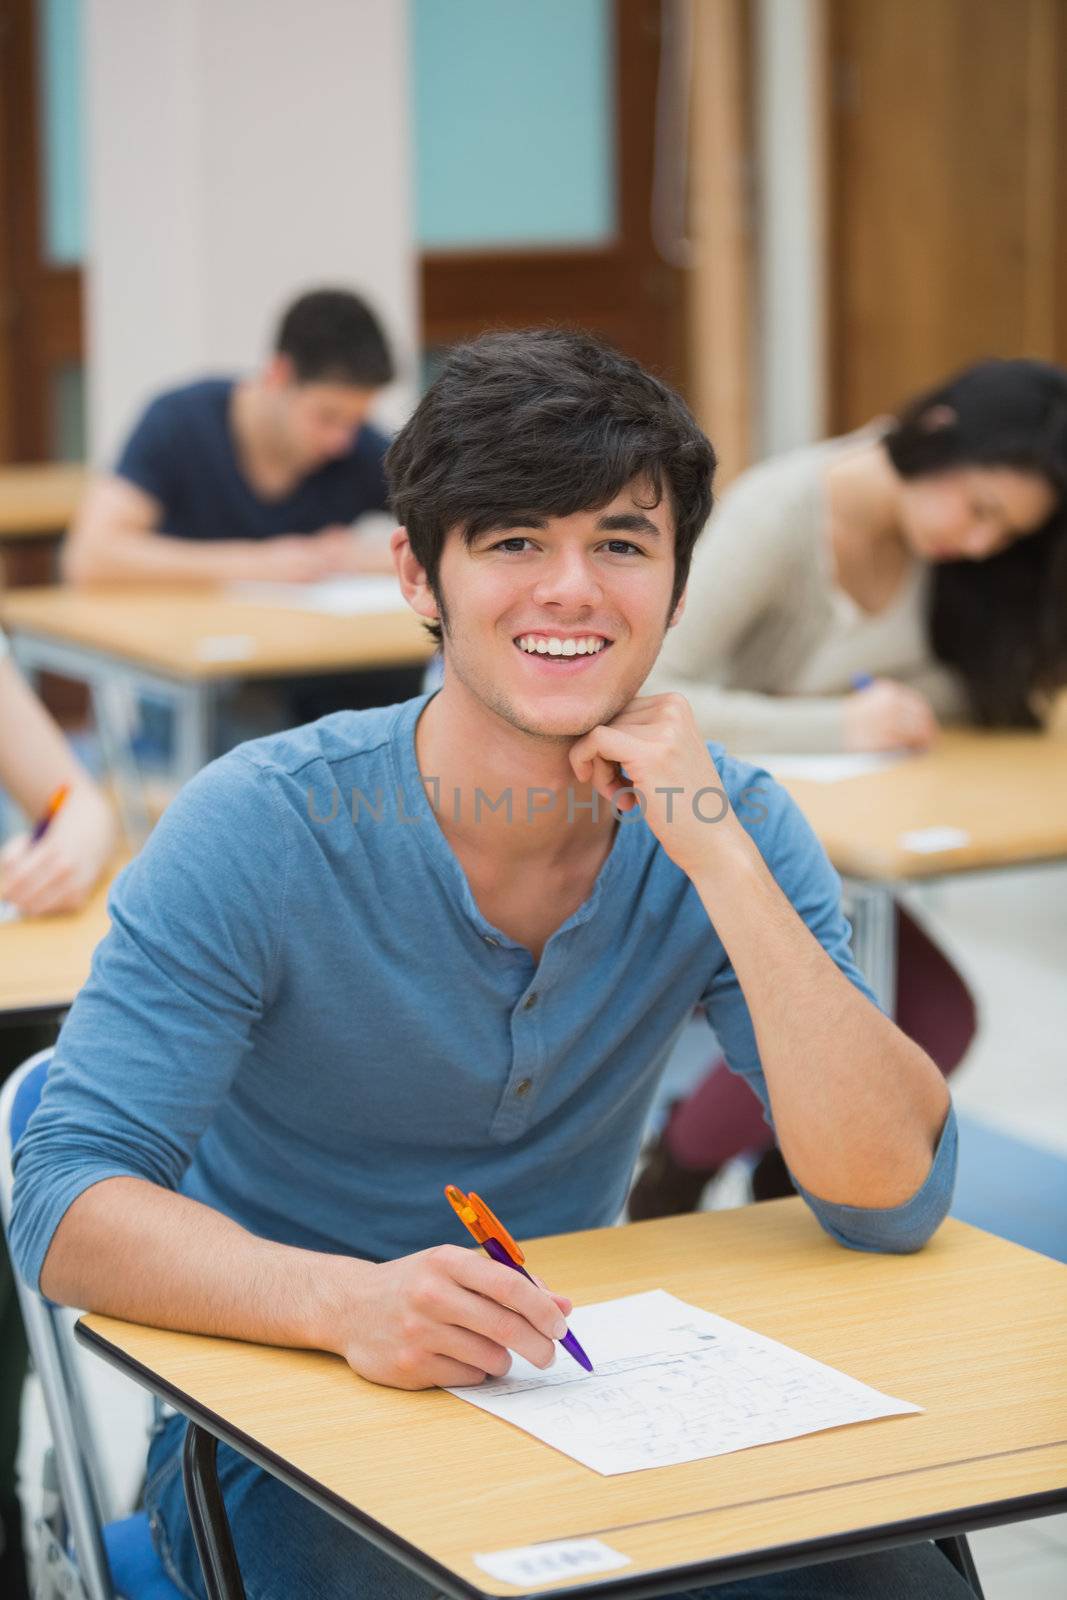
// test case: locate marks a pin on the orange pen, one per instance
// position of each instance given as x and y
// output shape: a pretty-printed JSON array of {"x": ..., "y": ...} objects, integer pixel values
[
  {"x": 496, "y": 1241},
  {"x": 55, "y": 805}
]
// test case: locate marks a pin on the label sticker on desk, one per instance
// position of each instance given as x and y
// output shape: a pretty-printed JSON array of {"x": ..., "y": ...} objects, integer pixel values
[
  {"x": 926, "y": 841},
  {"x": 226, "y": 647},
  {"x": 544, "y": 1563}
]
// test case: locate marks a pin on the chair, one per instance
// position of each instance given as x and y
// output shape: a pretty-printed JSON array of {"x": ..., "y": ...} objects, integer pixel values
[{"x": 77, "y": 1540}]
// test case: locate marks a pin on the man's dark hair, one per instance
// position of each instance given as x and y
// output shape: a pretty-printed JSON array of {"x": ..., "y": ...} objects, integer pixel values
[
  {"x": 544, "y": 423},
  {"x": 1001, "y": 623},
  {"x": 331, "y": 336}
]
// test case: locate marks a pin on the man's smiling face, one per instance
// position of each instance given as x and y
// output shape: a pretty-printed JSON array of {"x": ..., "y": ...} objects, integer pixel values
[{"x": 554, "y": 623}]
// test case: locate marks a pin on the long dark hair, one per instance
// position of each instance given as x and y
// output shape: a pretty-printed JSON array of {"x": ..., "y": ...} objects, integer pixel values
[{"x": 1000, "y": 623}]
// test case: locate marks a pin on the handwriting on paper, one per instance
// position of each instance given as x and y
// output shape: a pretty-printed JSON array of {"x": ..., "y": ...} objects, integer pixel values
[{"x": 674, "y": 1383}]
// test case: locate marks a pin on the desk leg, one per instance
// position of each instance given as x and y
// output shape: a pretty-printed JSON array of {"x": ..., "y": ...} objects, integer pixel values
[
  {"x": 114, "y": 706},
  {"x": 207, "y": 1513},
  {"x": 958, "y": 1551},
  {"x": 873, "y": 914},
  {"x": 194, "y": 707}
]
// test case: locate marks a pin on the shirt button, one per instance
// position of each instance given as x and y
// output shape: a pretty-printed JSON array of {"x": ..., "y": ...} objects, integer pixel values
[
  {"x": 530, "y": 1001},
  {"x": 522, "y": 1089},
  {"x": 495, "y": 943}
]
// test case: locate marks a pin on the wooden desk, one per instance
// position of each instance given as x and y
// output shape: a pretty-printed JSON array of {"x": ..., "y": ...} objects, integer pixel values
[
  {"x": 970, "y": 1329},
  {"x": 184, "y": 643},
  {"x": 39, "y": 501},
  {"x": 45, "y": 960},
  {"x": 1004, "y": 793}
]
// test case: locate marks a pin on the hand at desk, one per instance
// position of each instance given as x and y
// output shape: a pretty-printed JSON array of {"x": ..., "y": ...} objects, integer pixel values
[
  {"x": 443, "y": 1316},
  {"x": 889, "y": 716},
  {"x": 308, "y": 558},
  {"x": 356, "y": 553},
  {"x": 299, "y": 557},
  {"x": 59, "y": 871}
]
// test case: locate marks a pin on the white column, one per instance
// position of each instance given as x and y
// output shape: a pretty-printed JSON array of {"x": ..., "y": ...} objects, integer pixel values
[
  {"x": 238, "y": 152},
  {"x": 791, "y": 154}
]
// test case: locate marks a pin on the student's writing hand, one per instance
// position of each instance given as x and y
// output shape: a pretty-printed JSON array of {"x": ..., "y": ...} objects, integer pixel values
[
  {"x": 58, "y": 873},
  {"x": 888, "y": 716},
  {"x": 656, "y": 742},
  {"x": 354, "y": 553},
  {"x": 444, "y": 1316},
  {"x": 336, "y": 548},
  {"x": 301, "y": 557}
]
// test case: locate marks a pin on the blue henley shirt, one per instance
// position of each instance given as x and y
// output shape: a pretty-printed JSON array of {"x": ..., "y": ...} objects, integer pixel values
[{"x": 301, "y": 1018}]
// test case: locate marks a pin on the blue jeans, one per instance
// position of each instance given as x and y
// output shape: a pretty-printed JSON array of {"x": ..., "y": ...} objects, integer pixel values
[{"x": 288, "y": 1549}]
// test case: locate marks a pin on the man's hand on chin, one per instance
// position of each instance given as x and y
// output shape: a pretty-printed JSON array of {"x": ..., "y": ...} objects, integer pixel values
[{"x": 653, "y": 747}]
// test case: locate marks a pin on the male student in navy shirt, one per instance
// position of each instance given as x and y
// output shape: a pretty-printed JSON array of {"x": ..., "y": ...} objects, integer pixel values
[
  {"x": 307, "y": 1019},
  {"x": 258, "y": 477}
]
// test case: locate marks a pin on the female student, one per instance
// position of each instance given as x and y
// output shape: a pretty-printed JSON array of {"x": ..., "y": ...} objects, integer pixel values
[
  {"x": 55, "y": 873},
  {"x": 854, "y": 595}
]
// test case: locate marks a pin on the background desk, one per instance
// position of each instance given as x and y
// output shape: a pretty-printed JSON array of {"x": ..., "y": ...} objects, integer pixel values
[
  {"x": 184, "y": 643},
  {"x": 45, "y": 960},
  {"x": 970, "y": 1329},
  {"x": 39, "y": 501},
  {"x": 37, "y": 505},
  {"x": 1007, "y": 792}
]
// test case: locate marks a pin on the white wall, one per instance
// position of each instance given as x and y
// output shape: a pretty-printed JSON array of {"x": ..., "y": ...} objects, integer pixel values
[
  {"x": 790, "y": 139},
  {"x": 239, "y": 151}
]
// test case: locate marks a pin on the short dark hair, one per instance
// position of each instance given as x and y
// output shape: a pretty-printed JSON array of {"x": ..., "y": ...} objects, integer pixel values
[
  {"x": 543, "y": 422},
  {"x": 332, "y": 336},
  {"x": 1000, "y": 623}
]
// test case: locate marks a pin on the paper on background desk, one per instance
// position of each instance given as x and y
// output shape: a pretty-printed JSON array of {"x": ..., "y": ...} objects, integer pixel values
[
  {"x": 828, "y": 768},
  {"x": 673, "y": 1383},
  {"x": 336, "y": 597}
]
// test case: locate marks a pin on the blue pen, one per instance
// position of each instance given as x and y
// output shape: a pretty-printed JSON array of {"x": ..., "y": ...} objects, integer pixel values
[{"x": 862, "y": 680}]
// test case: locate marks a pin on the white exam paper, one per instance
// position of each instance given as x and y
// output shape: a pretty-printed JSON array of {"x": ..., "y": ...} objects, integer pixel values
[
  {"x": 336, "y": 597},
  {"x": 828, "y": 768},
  {"x": 673, "y": 1383}
]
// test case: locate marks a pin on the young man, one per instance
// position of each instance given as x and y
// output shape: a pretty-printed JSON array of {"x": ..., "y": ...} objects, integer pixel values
[
  {"x": 255, "y": 478},
  {"x": 443, "y": 942}
]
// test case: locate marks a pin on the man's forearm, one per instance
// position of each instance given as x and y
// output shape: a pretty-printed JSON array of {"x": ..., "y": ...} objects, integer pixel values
[
  {"x": 131, "y": 1249},
  {"x": 857, "y": 1105},
  {"x": 156, "y": 557}
]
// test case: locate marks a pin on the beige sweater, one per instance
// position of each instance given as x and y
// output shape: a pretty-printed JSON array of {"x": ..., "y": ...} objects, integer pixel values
[{"x": 768, "y": 645}]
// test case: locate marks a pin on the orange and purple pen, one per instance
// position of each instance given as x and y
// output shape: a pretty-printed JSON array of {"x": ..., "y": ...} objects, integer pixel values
[
  {"x": 51, "y": 810},
  {"x": 496, "y": 1241}
]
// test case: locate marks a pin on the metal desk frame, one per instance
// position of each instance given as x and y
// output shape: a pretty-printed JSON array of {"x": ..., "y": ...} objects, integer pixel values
[{"x": 114, "y": 682}]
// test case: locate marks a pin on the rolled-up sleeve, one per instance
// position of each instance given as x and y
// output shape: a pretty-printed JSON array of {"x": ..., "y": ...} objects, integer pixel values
[
  {"x": 154, "y": 1039},
  {"x": 804, "y": 874},
  {"x": 897, "y": 1229}
]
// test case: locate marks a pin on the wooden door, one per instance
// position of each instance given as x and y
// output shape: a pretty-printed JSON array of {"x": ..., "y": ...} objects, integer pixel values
[
  {"x": 948, "y": 192},
  {"x": 40, "y": 300}
]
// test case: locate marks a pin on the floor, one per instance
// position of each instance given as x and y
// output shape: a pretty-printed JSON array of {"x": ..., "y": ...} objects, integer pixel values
[{"x": 1008, "y": 934}]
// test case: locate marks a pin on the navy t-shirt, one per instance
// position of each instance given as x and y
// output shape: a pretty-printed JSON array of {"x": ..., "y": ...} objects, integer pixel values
[{"x": 182, "y": 453}]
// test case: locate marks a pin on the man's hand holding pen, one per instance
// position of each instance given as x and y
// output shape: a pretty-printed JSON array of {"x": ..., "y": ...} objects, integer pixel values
[{"x": 445, "y": 1316}]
